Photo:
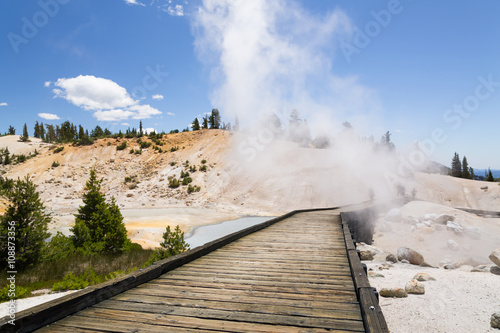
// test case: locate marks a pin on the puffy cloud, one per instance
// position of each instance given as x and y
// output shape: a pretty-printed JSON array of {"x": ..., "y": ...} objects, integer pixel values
[
  {"x": 133, "y": 2},
  {"x": 176, "y": 10},
  {"x": 3, "y": 104},
  {"x": 93, "y": 93},
  {"x": 157, "y": 97},
  {"x": 108, "y": 100},
  {"x": 47, "y": 84},
  {"x": 149, "y": 130},
  {"x": 125, "y": 124},
  {"x": 49, "y": 116}
]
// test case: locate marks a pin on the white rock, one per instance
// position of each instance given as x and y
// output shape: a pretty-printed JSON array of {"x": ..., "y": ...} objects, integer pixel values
[
  {"x": 495, "y": 257},
  {"x": 415, "y": 287},
  {"x": 455, "y": 227},
  {"x": 473, "y": 232},
  {"x": 430, "y": 217},
  {"x": 423, "y": 277}
]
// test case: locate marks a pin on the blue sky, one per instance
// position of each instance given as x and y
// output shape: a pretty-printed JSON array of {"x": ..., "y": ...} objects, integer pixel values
[{"x": 424, "y": 70}]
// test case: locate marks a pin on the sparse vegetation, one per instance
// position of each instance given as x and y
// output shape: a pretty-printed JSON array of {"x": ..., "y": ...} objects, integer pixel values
[
  {"x": 174, "y": 183},
  {"x": 122, "y": 146},
  {"x": 184, "y": 174},
  {"x": 173, "y": 244},
  {"x": 192, "y": 168},
  {"x": 192, "y": 189},
  {"x": 172, "y": 163},
  {"x": 55, "y": 164},
  {"x": 187, "y": 180},
  {"x": 203, "y": 161},
  {"x": 175, "y": 148},
  {"x": 58, "y": 149},
  {"x": 145, "y": 144},
  {"x": 203, "y": 168}
]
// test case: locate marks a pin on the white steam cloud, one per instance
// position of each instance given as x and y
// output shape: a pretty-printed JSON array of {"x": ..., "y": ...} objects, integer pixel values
[{"x": 273, "y": 62}]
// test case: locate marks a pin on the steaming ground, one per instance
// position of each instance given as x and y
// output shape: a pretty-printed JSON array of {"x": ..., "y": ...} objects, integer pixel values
[{"x": 244, "y": 179}]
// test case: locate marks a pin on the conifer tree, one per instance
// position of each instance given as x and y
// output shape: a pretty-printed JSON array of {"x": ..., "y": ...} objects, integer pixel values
[
  {"x": 25, "y": 137},
  {"x": 490, "y": 176},
  {"x": 99, "y": 224},
  {"x": 456, "y": 166},
  {"x": 196, "y": 124},
  {"x": 24, "y": 224},
  {"x": 465, "y": 169}
]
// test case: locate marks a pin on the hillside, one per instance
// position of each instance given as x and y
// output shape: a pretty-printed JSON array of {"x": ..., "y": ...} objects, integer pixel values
[{"x": 280, "y": 178}]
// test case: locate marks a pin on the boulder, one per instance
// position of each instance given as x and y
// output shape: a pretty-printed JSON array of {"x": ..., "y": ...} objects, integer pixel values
[
  {"x": 495, "y": 270},
  {"x": 443, "y": 219},
  {"x": 455, "y": 227},
  {"x": 391, "y": 258},
  {"x": 413, "y": 257},
  {"x": 495, "y": 257},
  {"x": 393, "y": 292},
  {"x": 415, "y": 287},
  {"x": 430, "y": 217},
  {"x": 394, "y": 215},
  {"x": 495, "y": 320},
  {"x": 423, "y": 277},
  {"x": 375, "y": 275},
  {"x": 367, "y": 252},
  {"x": 480, "y": 268}
]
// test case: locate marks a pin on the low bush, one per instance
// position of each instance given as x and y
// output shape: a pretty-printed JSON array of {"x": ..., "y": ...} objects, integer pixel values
[
  {"x": 55, "y": 164},
  {"x": 122, "y": 146}
]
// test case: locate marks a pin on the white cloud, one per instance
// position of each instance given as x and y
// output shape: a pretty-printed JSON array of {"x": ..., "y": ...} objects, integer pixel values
[
  {"x": 113, "y": 115},
  {"x": 47, "y": 84},
  {"x": 133, "y": 2},
  {"x": 176, "y": 10},
  {"x": 49, "y": 116},
  {"x": 149, "y": 130},
  {"x": 108, "y": 100},
  {"x": 157, "y": 97},
  {"x": 3, "y": 104},
  {"x": 125, "y": 124},
  {"x": 170, "y": 113}
]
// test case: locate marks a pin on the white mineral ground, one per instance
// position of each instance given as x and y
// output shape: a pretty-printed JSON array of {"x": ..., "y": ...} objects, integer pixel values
[{"x": 458, "y": 301}]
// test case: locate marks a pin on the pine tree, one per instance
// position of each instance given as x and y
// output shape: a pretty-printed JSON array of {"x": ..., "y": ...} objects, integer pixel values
[
  {"x": 25, "y": 137},
  {"x": 465, "y": 169},
  {"x": 141, "y": 133},
  {"x": 36, "y": 133},
  {"x": 456, "y": 166},
  {"x": 196, "y": 124},
  {"x": 214, "y": 119},
  {"x": 490, "y": 176},
  {"x": 12, "y": 130},
  {"x": 98, "y": 224},
  {"x": 26, "y": 222},
  {"x": 205, "y": 122}
]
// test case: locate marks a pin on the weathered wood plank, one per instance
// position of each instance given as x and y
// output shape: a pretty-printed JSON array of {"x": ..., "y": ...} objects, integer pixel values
[
  {"x": 261, "y": 308},
  {"x": 260, "y": 318}
]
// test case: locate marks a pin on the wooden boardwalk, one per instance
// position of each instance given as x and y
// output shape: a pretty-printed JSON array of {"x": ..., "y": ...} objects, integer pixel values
[{"x": 292, "y": 276}]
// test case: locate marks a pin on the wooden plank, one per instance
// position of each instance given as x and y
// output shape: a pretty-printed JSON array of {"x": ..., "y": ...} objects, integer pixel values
[
  {"x": 372, "y": 313},
  {"x": 260, "y": 318},
  {"x": 260, "y": 308},
  {"x": 170, "y": 322},
  {"x": 261, "y": 282},
  {"x": 358, "y": 274},
  {"x": 335, "y": 296},
  {"x": 338, "y": 302}
]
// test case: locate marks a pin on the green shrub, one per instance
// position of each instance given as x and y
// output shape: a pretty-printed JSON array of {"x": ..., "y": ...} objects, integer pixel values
[
  {"x": 203, "y": 168},
  {"x": 138, "y": 151},
  {"x": 58, "y": 150},
  {"x": 192, "y": 168},
  {"x": 175, "y": 148},
  {"x": 174, "y": 183},
  {"x": 145, "y": 144},
  {"x": 59, "y": 247},
  {"x": 184, "y": 174},
  {"x": 55, "y": 164},
  {"x": 173, "y": 244},
  {"x": 6, "y": 293},
  {"x": 203, "y": 161},
  {"x": 73, "y": 282},
  {"x": 122, "y": 146},
  {"x": 187, "y": 180},
  {"x": 132, "y": 186},
  {"x": 172, "y": 163}
]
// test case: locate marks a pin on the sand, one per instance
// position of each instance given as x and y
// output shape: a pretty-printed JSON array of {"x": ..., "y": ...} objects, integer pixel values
[{"x": 458, "y": 301}]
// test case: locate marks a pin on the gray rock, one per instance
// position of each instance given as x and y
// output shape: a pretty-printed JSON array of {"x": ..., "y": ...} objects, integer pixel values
[
  {"x": 391, "y": 258},
  {"x": 375, "y": 275},
  {"x": 415, "y": 287},
  {"x": 481, "y": 269},
  {"x": 423, "y": 277},
  {"x": 367, "y": 252},
  {"x": 495, "y": 257},
  {"x": 495, "y": 320},
  {"x": 443, "y": 219},
  {"x": 455, "y": 227},
  {"x": 495, "y": 270},
  {"x": 449, "y": 266},
  {"x": 413, "y": 257},
  {"x": 393, "y": 292}
]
